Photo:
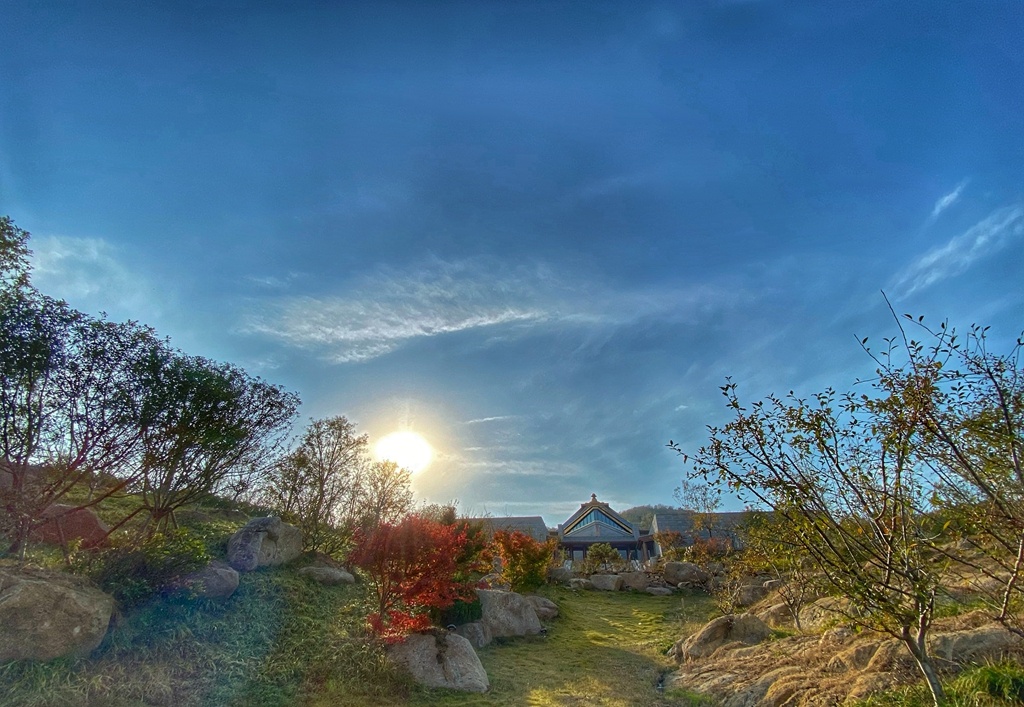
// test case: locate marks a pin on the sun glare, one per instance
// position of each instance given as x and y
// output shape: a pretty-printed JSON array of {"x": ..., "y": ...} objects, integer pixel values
[{"x": 407, "y": 449}]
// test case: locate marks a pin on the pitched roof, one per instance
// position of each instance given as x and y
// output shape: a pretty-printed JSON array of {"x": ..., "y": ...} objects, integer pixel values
[
  {"x": 530, "y": 525},
  {"x": 597, "y": 521},
  {"x": 681, "y": 521}
]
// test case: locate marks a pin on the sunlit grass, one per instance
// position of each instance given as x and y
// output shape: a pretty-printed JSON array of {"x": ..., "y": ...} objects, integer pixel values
[{"x": 996, "y": 685}]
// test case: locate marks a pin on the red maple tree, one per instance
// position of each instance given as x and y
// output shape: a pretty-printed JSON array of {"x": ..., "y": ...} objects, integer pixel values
[{"x": 412, "y": 566}]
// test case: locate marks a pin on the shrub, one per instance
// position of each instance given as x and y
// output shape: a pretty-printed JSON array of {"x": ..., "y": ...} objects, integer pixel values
[
  {"x": 524, "y": 561},
  {"x": 412, "y": 567},
  {"x": 133, "y": 574},
  {"x": 601, "y": 557}
]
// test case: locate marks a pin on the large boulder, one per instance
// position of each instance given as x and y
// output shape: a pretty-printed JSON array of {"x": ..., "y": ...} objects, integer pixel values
[
  {"x": 218, "y": 580},
  {"x": 67, "y": 523},
  {"x": 264, "y": 542},
  {"x": 447, "y": 661},
  {"x": 476, "y": 633},
  {"x": 507, "y": 613},
  {"x": 45, "y": 616},
  {"x": 329, "y": 576},
  {"x": 746, "y": 629},
  {"x": 637, "y": 581},
  {"x": 825, "y": 612},
  {"x": 977, "y": 645},
  {"x": 545, "y": 608},
  {"x": 659, "y": 591},
  {"x": 749, "y": 594},
  {"x": 606, "y": 582},
  {"x": 580, "y": 583},
  {"x": 685, "y": 573},
  {"x": 559, "y": 575}
]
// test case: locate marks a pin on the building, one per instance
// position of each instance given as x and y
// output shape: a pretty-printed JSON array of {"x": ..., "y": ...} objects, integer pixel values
[
  {"x": 596, "y": 522},
  {"x": 722, "y": 525},
  {"x": 528, "y": 525}
]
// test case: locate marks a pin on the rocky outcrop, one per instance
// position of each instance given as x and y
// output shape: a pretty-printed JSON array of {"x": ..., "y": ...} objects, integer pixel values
[
  {"x": 637, "y": 581},
  {"x": 330, "y": 576},
  {"x": 45, "y": 616},
  {"x": 68, "y": 523},
  {"x": 685, "y": 573},
  {"x": 476, "y": 633},
  {"x": 606, "y": 582},
  {"x": 264, "y": 542},
  {"x": 545, "y": 608},
  {"x": 745, "y": 629},
  {"x": 447, "y": 661},
  {"x": 218, "y": 580},
  {"x": 824, "y": 612},
  {"x": 507, "y": 613}
]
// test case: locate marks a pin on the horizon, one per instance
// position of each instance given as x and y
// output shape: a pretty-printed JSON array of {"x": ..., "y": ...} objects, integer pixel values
[{"x": 540, "y": 236}]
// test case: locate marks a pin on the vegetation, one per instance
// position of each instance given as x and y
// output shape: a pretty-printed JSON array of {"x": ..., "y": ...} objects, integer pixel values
[{"x": 524, "y": 561}]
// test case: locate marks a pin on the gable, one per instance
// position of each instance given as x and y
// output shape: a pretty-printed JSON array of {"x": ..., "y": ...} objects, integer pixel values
[{"x": 597, "y": 522}]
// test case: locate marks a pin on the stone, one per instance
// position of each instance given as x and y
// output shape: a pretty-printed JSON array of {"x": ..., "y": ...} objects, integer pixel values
[
  {"x": 46, "y": 615},
  {"x": 329, "y": 576},
  {"x": 750, "y": 594},
  {"x": 824, "y": 612},
  {"x": 560, "y": 575},
  {"x": 580, "y": 583},
  {"x": 447, "y": 661},
  {"x": 264, "y": 542},
  {"x": 744, "y": 629},
  {"x": 685, "y": 573},
  {"x": 66, "y": 523},
  {"x": 218, "y": 580},
  {"x": 507, "y": 613},
  {"x": 545, "y": 608},
  {"x": 776, "y": 615},
  {"x": 637, "y": 581},
  {"x": 606, "y": 582},
  {"x": 659, "y": 591},
  {"x": 476, "y": 633},
  {"x": 977, "y": 645}
]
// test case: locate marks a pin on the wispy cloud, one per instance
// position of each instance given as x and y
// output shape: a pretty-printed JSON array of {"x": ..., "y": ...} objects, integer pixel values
[
  {"x": 948, "y": 200},
  {"x": 388, "y": 309},
  {"x": 984, "y": 238},
  {"x": 496, "y": 418}
]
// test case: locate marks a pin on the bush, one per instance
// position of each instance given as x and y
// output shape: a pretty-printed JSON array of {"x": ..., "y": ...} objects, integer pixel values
[
  {"x": 461, "y": 612},
  {"x": 524, "y": 561},
  {"x": 133, "y": 574}
]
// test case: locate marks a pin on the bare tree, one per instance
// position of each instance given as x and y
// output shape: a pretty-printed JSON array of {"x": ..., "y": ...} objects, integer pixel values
[{"x": 386, "y": 494}]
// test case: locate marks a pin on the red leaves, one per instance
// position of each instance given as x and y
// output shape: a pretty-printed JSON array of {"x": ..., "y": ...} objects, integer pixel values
[{"x": 412, "y": 566}]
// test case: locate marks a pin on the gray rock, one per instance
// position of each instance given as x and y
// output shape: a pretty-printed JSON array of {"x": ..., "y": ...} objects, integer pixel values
[
  {"x": 745, "y": 629},
  {"x": 560, "y": 575},
  {"x": 978, "y": 645},
  {"x": 264, "y": 542},
  {"x": 329, "y": 576},
  {"x": 750, "y": 594},
  {"x": 580, "y": 583},
  {"x": 447, "y": 661},
  {"x": 45, "y": 616},
  {"x": 659, "y": 591},
  {"x": 545, "y": 608},
  {"x": 606, "y": 582},
  {"x": 507, "y": 613},
  {"x": 476, "y": 633},
  {"x": 637, "y": 581},
  {"x": 218, "y": 580},
  {"x": 685, "y": 573}
]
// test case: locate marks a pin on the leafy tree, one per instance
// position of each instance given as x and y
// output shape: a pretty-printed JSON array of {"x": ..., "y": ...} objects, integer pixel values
[
  {"x": 206, "y": 425},
  {"x": 672, "y": 544},
  {"x": 14, "y": 254},
  {"x": 411, "y": 566},
  {"x": 844, "y": 477},
  {"x": 524, "y": 561},
  {"x": 768, "y": 549},
  {"x": 602, "y": 556},
  {"x": 703, "y": 501}
]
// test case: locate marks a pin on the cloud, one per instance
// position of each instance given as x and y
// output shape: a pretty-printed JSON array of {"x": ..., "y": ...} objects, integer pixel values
[
  {"x": 496, "y": 418},
  {"x": 988, "y": 236},
  {"x": 948, "y": 200},
  {"x": 388, "y": 309}
]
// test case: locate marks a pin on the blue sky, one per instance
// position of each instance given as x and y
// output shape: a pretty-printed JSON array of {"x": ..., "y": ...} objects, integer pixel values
[{"x": 539, "y": 233}]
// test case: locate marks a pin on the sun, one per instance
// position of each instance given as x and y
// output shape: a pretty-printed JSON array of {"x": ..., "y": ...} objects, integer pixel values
[{"x": 407, "y": 449}]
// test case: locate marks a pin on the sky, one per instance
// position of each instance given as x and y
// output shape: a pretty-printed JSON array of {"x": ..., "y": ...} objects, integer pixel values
[{"x": 540, "y": 234}]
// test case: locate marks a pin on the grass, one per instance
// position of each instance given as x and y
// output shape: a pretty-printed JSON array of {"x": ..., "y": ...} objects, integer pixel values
[{"x": 994, "y": 685}]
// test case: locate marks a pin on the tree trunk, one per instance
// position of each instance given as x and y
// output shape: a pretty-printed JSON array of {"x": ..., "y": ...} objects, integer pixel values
[{"x": 925, "y": 665}]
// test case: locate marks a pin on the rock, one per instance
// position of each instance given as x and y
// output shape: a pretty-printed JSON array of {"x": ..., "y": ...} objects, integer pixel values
[
  {"x": 447, "y": 661},
  {"x": 836, "y": 636},
  {"x": 746, "y": 629},
  {"x": 45, "y": 616},
  {"x": 606, "y": 582},
  {"x": 776, "y": 615},
  {"x": 854, "y": 658},
  {"x": 68, "y": 523},
  {"x": 750, "y": 594},
  {"x": 330, "y": 576},
  {"x": 580, "y": 583},
  {"x": 560, "y": 575},
  {"x": 507, "y": 613},
  {"x": 218, "y": 580},
  {"x": 264, "y": 542},
  {"x": 659, "y": 591},
  {"x": 637, "y": 581},
  {"x": 476, "y": 633},
  {"x": 545, "y": 608},
  {"x": 977, "y": 645},
  {"x": 824, "y": 612},
  {"x": 685, "y": 573}
]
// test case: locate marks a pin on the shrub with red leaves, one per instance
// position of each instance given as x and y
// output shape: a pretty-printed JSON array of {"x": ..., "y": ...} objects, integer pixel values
[
  {"x": 412, "y": 567},
  {"x": 524, "y": 561}
]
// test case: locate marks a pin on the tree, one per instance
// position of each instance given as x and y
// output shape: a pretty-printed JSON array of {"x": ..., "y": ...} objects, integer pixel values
[
  {"x": 14, "y": 254},
  {"x": 844, "y": 477},
  {"x": 524, "y": 561},
  {"x": 386, "y": 494},
  {"x": 769, "y": 549},
  {"x": 206, "y": 425},
  {"x": 411, "y": 566},
  {"x": 703, "y": 501}
]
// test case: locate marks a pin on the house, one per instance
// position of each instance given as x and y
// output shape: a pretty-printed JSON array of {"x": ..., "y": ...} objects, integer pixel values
[
  {"x": 596, "y": 522},
  {"x": 722, "y": 525},
  {"x": 528, "y": 525}
]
